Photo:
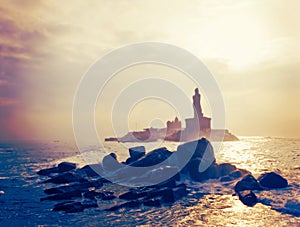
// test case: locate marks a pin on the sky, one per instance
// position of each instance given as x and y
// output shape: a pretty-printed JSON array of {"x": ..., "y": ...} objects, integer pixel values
[{"x": 251, "y": 47}]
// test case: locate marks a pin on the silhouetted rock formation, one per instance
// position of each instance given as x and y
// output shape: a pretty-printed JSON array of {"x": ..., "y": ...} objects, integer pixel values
[
  {"x": 83, "y": 188},
  {"x": 272, "y": 180}
]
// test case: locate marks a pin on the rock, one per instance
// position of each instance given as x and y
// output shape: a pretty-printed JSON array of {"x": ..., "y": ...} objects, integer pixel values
[
  {"x": 67, "y": 177},
  {"x": 66, "y": 166},
  {"x": 226, "y": 179},
  {"x": 110, "y": 162},
  {"x": 169, "y": 195},
  {"x": 47, "y": 172},
  {"x": 247, "y": 197},
  {"x": 69, "y": 207},
  {"x": 247, "y": 183},
  {"x": 154, "y": 202},
  {"x": 235, "y": 174},
  {"x": 130, "y": 204},
  {"x": 225, "y": 169},
  {"x": 89, "y": 203},
  {"x": 210, "y": 173},
  {"x": 152, "y": 158},
  {"x": 137, "y": 152},
  {"x": 129, "y": 161},
  {"x": 197, "y": 149},
  {"x": 175, "y": 194},
  {"x": 77, "y": 186},
  {"x": 93, "y": 194},
  {"x": 61, "y": 168},
  {"x": 134, "y": 194},
  {"x": 272, "y": 180},
  {"x": 88, "y": 171},
  {"x": 170, "y": 183},
  {"x": 202, "y": 156},
  {"x": 93, "y": 170},
  {"x": 160, "y": 176},
  {"x": 64, "y": 196}
]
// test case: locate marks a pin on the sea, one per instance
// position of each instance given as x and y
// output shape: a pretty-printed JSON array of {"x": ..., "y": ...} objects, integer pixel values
[{"x": 208, "y": 204}]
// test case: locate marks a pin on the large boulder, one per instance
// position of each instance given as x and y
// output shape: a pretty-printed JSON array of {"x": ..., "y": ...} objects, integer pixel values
[
  {"x": 76, "y": 186},
  {"x": 48, "y": 171},
  {"x": 247, "y": 183},
  {"x": 90, "y": 170},
  {"x": 64, "y": 178},
  {"x": 247, "y": 197},
  {"x": 272, "y": 180},
  {"x": 110, "y": 162},
  {"x": 137, "y": 152},
  {"x": 69, "y": 207},
  {"x": 134, "y": 194},
  {"x": 66, "y": 166},
  {"x": 152, "y": 158},
  {"x": 168, "y": 195},
  {"x": 61, "y": 168},
  {"x": 211, "y": 172},
  {"x": 63, "y": 196},
  {"x": 226, "y": 169},
  {"x": 198, "y": 149},
  {"x": 93, "y": 194},
  {"x": 201, "y": 156}
]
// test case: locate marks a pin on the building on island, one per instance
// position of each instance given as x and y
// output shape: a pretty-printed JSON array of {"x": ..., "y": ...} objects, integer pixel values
[{"x": 196, "y": 127}]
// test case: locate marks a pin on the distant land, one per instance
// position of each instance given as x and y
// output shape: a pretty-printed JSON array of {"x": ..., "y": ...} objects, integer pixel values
[{"x": 174, "y": 131}]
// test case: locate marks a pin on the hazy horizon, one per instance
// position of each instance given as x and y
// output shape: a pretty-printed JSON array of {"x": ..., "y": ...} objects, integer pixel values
[{"x": 251, "y": 48}]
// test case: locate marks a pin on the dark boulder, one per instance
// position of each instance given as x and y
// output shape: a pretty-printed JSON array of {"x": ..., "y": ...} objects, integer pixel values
[
  {"x": 130, "y": 204},
  {"x": 66, "y": 166},
  {"x": 210, "y": 173},
  {"x": 129, "y": 161},
  {"x": 170, "y": 183},
  {"x": 197, "y": 149},
  {"x": 238, "y": 173},
  {"x": 272, "y": 180},
  {"x": 93, "y": 194},
  {"x": 64, "y": 178},
  {"x": 91, "y": 170},
  {"x": 169, "y": 195},
  {"x": 247, "y": 183},
  {"x": 225, "y": 169},
  {"x": 110, "y": 162},
  {"x": 175, "y": 194},
  {"x": 137, "y": 152},
  {"x": 89, "y": 203},
  {"x": 152, "y": 158},
  {"x": 134, "y": 194},
  {"x": 226, "y": 179},
  {"x": 77, "y": 186},
  {"x": 201, "y": 158},
  {"x": 47, "y": 172},
  {"x": 247, "y": 197},
  {"x": 69, "y": 207},
  {"x": 64, "y": 196},
  {"x": 161, "y": 176}
]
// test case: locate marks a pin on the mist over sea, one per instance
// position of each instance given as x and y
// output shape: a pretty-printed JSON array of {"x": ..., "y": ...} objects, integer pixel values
[{"x": 209, "y": 203}]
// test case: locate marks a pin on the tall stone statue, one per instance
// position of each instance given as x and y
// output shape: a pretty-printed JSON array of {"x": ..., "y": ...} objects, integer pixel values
[{"x": 197, "y": 107}]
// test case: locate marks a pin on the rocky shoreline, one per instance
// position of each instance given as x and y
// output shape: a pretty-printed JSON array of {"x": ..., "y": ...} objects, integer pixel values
[{"x": 78, "y": 189}]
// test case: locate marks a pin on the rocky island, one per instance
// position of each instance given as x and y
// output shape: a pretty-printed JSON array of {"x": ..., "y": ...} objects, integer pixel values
[{"x": 197, "y": 127}]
